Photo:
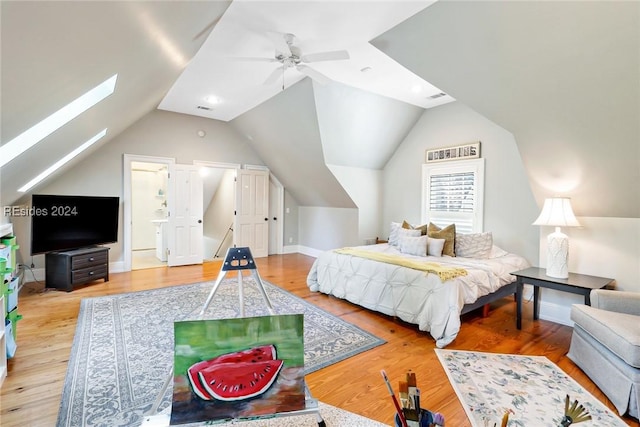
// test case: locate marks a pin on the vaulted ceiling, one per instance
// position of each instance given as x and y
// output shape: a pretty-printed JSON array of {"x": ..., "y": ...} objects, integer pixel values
[
  {"x": 176, "y": 56},
  {"x": 561, "y": 76}
]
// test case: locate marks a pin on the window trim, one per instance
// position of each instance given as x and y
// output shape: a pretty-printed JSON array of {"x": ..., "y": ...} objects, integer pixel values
[{"x": 475, "y": 166}]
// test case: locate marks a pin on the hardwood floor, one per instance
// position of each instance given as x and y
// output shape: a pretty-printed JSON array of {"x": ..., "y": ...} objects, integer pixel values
[{"x": 31, "y": 393}]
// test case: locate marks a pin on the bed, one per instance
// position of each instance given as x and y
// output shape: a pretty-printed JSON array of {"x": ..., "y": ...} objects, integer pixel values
[{"x": 416, "y": 296}]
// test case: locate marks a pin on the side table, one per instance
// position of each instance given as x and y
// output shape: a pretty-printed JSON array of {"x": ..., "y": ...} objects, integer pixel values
[{"x": 580, "y": 284}]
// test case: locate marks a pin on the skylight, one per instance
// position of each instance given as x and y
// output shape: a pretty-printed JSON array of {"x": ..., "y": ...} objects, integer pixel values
[
  {"x": 46, "y": 127},
  {"x": 61, "y": 162}
]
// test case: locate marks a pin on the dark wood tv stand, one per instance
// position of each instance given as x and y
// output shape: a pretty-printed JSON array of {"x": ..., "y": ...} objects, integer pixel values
[{"x": 66, "y": 269}]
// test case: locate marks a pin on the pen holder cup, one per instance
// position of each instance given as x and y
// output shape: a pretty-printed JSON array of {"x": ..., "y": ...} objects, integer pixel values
[{"x": 426, "y": 419}]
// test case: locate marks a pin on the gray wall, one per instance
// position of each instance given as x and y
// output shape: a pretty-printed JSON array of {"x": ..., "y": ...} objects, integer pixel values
[
  {"x": 159, "y": 133},
  {"x": 291, "y": 207},
  {"x": 509, "y": 206},
  {"x": 284, "y": 132},
  {"x": 562, "y": 76}
]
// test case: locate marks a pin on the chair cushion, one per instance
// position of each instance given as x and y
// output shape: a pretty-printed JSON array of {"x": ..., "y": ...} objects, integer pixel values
[{"x": 618, "y": 332}]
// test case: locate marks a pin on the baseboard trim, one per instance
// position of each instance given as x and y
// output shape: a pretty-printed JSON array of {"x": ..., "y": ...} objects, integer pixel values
[
  {"x": 290, "y": 249},
  {"x": 556, "y": 313},
  {"x": 305, "y": 250}
]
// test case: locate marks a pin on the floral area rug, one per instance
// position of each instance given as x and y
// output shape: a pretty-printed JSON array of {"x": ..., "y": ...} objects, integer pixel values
[
  {"x": 532, "y": 388},
  {"x": 123, "y": 350}
]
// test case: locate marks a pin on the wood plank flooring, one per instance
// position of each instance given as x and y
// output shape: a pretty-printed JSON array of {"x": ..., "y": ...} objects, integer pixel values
[{"x": 31, "y": 393}]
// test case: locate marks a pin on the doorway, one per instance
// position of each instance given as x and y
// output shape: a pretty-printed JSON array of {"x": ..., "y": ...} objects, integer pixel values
[
  {"x": 149, "y": 184},
  {"x": 219, "y": 204},
  {"x": 146, "y": 201}
]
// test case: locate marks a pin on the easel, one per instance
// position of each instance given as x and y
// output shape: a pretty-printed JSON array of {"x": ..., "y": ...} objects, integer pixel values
[{"x": 237, "y": 259}]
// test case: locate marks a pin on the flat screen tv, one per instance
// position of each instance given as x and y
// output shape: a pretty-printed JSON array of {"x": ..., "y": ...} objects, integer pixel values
[{"x": 70, "y": 222}]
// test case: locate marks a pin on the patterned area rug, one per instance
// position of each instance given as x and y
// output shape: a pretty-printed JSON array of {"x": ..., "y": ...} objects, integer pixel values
[
  {"x": 332, "y": 416},
  {"x": 123, "y": 347},
  {"x": 531, "y": 387}
]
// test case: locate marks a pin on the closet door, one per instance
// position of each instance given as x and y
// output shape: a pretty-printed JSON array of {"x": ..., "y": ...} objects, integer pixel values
[
  {"x": 185, "y": 217},
  {"x": 252, "y": 214}
]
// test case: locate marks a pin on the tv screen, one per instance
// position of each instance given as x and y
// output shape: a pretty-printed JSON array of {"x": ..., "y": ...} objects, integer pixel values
[{"x": 71, "y": 222}]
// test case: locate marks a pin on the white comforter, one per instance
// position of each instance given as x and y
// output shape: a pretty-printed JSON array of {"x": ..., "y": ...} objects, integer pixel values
[{"x": 413, "y": 296}]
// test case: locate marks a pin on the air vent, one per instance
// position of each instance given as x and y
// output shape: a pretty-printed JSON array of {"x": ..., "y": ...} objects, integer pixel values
[
  {"x": 202, "y": 107},
  {"x": 437, "y": 95}
]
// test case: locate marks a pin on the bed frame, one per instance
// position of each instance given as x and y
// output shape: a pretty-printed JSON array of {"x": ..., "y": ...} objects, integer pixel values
[{"x": 512, "y": 288}]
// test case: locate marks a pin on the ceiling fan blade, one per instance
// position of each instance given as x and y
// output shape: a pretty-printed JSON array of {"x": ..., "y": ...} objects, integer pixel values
[
  {"x": 274, "y": 76},
  {"x": 251, "y": 59},
  {"x": 278, "y": 40},
  {"x": 326, "y": 56},
  {"x": 315, "y": 75}
]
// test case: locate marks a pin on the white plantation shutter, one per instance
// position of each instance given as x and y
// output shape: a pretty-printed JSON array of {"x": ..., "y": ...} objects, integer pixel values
[{"x": 453, "y": 192}]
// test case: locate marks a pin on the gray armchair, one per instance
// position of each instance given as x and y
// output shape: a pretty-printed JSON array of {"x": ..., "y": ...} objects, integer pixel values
[{"x": 606, "y": 345}]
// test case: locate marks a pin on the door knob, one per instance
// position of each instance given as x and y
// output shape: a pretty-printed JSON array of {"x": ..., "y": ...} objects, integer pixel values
[
  {"x": 275, "y": 219},
  {"x": 199, "y": 221},
  {"x": 266, "y": 219}
]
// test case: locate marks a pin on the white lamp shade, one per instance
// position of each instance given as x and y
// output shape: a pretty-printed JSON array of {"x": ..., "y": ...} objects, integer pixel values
[{"x": 557, "y": 212}]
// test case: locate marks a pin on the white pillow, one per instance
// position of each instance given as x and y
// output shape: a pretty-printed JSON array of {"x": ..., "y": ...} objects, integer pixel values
[
  {"x": 474, "y": 245},
  {"x": 435, "y": 246},
  {"x": 497, "y": 252},
  {"x": 393, "y": 233},
  {"x": 414, "y": 245},
  {"x": 406, "y": 232}
]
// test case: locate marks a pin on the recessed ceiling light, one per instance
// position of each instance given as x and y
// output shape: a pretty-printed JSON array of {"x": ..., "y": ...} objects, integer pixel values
[
  {"x": 416, "y": 88},
  {"x": 213, "y": 100}
]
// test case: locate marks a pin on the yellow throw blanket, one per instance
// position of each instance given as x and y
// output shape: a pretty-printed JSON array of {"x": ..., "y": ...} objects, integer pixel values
[{"x": 445, "y": 273}]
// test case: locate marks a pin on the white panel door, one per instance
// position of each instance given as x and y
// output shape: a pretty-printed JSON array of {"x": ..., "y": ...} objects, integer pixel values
[
  {"x": 252, "y": 214},
  {"x": 185, "y": 217}
]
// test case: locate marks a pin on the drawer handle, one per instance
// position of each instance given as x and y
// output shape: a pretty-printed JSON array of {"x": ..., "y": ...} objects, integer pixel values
[{"x": 91, "y": 259}]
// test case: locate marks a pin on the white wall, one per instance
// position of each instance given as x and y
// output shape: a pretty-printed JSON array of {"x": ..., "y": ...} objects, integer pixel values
[
  {"x": 218, "y": 216},
  {"x": 146, "y": 206}
]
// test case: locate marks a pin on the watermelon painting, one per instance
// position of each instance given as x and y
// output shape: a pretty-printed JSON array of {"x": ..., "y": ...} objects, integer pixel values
[
  {"x": 237, "y": 368},
  {"x": 225, "y": 364}
]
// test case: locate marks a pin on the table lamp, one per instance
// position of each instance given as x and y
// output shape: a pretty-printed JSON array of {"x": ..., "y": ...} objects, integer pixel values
[{"x": 557, "y": 213}]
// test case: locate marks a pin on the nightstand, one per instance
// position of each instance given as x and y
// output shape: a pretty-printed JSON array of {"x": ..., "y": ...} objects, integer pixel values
[{"x": 580, "y": 284}]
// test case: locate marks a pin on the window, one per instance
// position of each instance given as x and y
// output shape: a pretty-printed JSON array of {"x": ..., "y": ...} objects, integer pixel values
[
  {"x": 453, "y": 192},
  {"x": 55, "y": 121}
]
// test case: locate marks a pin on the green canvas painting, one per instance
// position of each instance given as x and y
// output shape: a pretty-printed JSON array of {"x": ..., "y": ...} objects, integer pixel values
[{"x": 238, "y": 368}]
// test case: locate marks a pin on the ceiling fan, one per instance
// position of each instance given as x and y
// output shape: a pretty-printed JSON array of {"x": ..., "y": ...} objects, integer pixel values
[{"x": 290, "y": 56}]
